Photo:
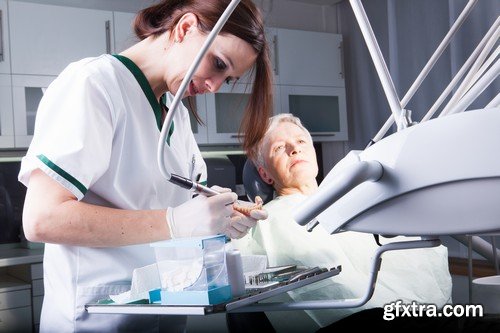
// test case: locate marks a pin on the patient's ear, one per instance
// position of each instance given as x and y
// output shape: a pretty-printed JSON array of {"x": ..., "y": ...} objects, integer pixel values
[{"x": 265, "y": 176}]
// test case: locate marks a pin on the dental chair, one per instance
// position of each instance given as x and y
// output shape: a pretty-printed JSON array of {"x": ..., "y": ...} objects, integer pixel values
[
  {"x": 431, "y": 178},
  {"x": 254, "y": 185}
]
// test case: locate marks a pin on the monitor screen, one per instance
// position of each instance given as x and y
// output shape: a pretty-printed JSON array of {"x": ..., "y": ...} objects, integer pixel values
[{"x": 12, "y": 194}]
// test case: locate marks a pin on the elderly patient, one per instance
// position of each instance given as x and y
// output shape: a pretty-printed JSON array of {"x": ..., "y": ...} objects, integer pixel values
[{"x": 286, "y": 159}]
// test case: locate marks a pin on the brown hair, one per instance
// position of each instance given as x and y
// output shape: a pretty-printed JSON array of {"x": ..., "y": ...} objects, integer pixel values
[{"x": 245, "y": 23}]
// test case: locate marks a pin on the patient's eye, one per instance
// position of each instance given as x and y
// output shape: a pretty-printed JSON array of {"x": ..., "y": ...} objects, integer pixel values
[{"x": 279, "y": 148}]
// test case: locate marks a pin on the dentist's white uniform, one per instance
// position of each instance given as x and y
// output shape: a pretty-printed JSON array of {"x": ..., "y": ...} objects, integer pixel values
[{"x": 96, "y": 133}]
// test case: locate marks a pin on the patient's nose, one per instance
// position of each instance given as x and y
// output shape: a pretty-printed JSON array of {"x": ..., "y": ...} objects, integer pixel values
[{"x": 294, "y": 148}]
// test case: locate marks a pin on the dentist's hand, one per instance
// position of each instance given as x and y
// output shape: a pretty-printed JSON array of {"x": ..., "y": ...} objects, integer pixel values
[
  {"x": 202, "y": 216},
  {"x": 240, "y": 224}
]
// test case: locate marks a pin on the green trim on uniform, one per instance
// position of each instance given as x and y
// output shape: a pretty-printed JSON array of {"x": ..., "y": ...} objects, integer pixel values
[
  {"x": 203, "y": 183},
  {"x": 145, "y": 86},
  {"x": 63, "y": 173},
  {"x": 171, "y": 131},
  {"x": 148, "y": 91}
]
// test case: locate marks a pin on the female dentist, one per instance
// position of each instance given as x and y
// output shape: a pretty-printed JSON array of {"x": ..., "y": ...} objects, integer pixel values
[{"x": 95, "y": 194}]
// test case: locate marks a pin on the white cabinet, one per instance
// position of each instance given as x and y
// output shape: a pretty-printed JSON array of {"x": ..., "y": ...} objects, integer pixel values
[
  {"x": 6, "y": 115},
  {"x": 37, "y": 292},
  {"x": 15, "y": 305},
  {"x": 32, "y": 274},
  {"x": 46, "y": 38},
  {"x": 27, "y": 91},
  {"x": 309, "y": 58},
  {"x": 272, "y": 40},
  {"x": 225, "y": 111},
  {"x": 322, "y": 110},
  {"x": 311, "y": 81},
  {"x": 123, "y": 31},
  {"x": 4, "y": 39}
]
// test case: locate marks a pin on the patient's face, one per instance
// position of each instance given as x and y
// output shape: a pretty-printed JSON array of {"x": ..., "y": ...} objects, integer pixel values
[{"x": 290, "y": 157}]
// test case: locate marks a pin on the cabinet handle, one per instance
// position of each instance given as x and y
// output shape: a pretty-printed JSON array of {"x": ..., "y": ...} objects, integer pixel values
[
  {"x": 236, "y": 136},
  {"x": 341, "y": 50},
  {"x": 275, "y": 48},
  {"x": 1, "y": 37},
  {"x": 322, "y": 134},
  {"x": 108, "y": 37}
]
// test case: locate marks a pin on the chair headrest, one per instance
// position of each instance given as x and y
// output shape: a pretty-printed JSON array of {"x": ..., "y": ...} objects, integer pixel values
[{"x": 254, "y": 185}]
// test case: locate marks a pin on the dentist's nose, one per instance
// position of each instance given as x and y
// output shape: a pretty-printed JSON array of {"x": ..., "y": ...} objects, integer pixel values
[{"x": 213, "y": 84}]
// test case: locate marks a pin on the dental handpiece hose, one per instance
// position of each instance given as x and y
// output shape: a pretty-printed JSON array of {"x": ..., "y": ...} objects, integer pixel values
[{"x": 173, "y": 178}]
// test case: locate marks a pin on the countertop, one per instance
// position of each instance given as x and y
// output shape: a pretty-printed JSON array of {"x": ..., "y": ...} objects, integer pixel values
[{"x": 20, "y": 256}]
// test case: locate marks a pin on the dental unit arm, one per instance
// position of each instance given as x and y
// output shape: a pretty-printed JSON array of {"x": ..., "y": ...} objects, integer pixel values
[{"x": 173, "y": 178}]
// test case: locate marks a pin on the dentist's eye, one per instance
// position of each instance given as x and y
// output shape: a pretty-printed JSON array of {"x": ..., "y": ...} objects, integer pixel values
[{"x": 219, "y": 64}]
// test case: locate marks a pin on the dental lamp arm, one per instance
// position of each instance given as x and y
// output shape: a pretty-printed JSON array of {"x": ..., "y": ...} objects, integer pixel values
[
  {"x": 344, "y": 182},
  {"x": 456, "y": 79},
  {"x": 428, "y": 66}
]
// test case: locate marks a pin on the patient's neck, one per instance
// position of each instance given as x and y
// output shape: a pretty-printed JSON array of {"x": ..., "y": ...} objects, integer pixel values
[{"x": 305, "y": 189}]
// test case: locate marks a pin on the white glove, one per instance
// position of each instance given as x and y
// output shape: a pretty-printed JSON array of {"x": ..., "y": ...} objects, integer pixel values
[
  {"x": 201, "y": 216},
  {"x": 240, "y": 224}
]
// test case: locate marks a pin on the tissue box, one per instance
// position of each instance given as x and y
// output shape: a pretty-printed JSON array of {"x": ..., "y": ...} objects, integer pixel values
[{"x": 192, "y": 271}]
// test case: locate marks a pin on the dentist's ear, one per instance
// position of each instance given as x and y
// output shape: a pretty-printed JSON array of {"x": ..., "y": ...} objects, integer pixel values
[
  {"x": 265, "y": 176},
  {"x": 186, "y": 24}
]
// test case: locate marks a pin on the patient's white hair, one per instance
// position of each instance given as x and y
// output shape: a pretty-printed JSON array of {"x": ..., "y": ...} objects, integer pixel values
[{"x": 273, "y": 122}]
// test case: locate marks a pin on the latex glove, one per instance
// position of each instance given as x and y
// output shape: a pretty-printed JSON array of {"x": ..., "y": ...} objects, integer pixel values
[
  {"x": 240, "y": 224},
  {"x": 201, "y": 216}
]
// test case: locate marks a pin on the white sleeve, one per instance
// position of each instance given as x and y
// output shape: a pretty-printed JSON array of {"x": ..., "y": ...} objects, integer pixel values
[{"x": 73, "y": 132}]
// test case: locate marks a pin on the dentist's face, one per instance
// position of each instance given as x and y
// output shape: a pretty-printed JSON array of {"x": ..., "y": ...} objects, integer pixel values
[
  {"x": 289, "y": 156},
  {"x": 227, "y": 59}
]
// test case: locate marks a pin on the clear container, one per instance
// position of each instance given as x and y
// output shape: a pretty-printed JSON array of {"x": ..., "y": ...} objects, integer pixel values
[{"x": 192, "y": 264}]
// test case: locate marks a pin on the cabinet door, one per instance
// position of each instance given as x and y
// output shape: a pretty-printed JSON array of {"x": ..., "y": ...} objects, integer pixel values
[
  {"x": 4, "y": 39},
  {"x": 45, "y": 38},
  {"x": 225, "y": 111},
  {"x": 124, "y": 32},
  {"x": 309, "y": 58},
  {"x": 322, "y": 110},
  {"x": 16, "y": 320},
  {"x": 27, "y": 91},
  {"x": 6, "y": 113},
  {"x": 272, "y": 39},
  {"x": 199, "y": 130}
]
